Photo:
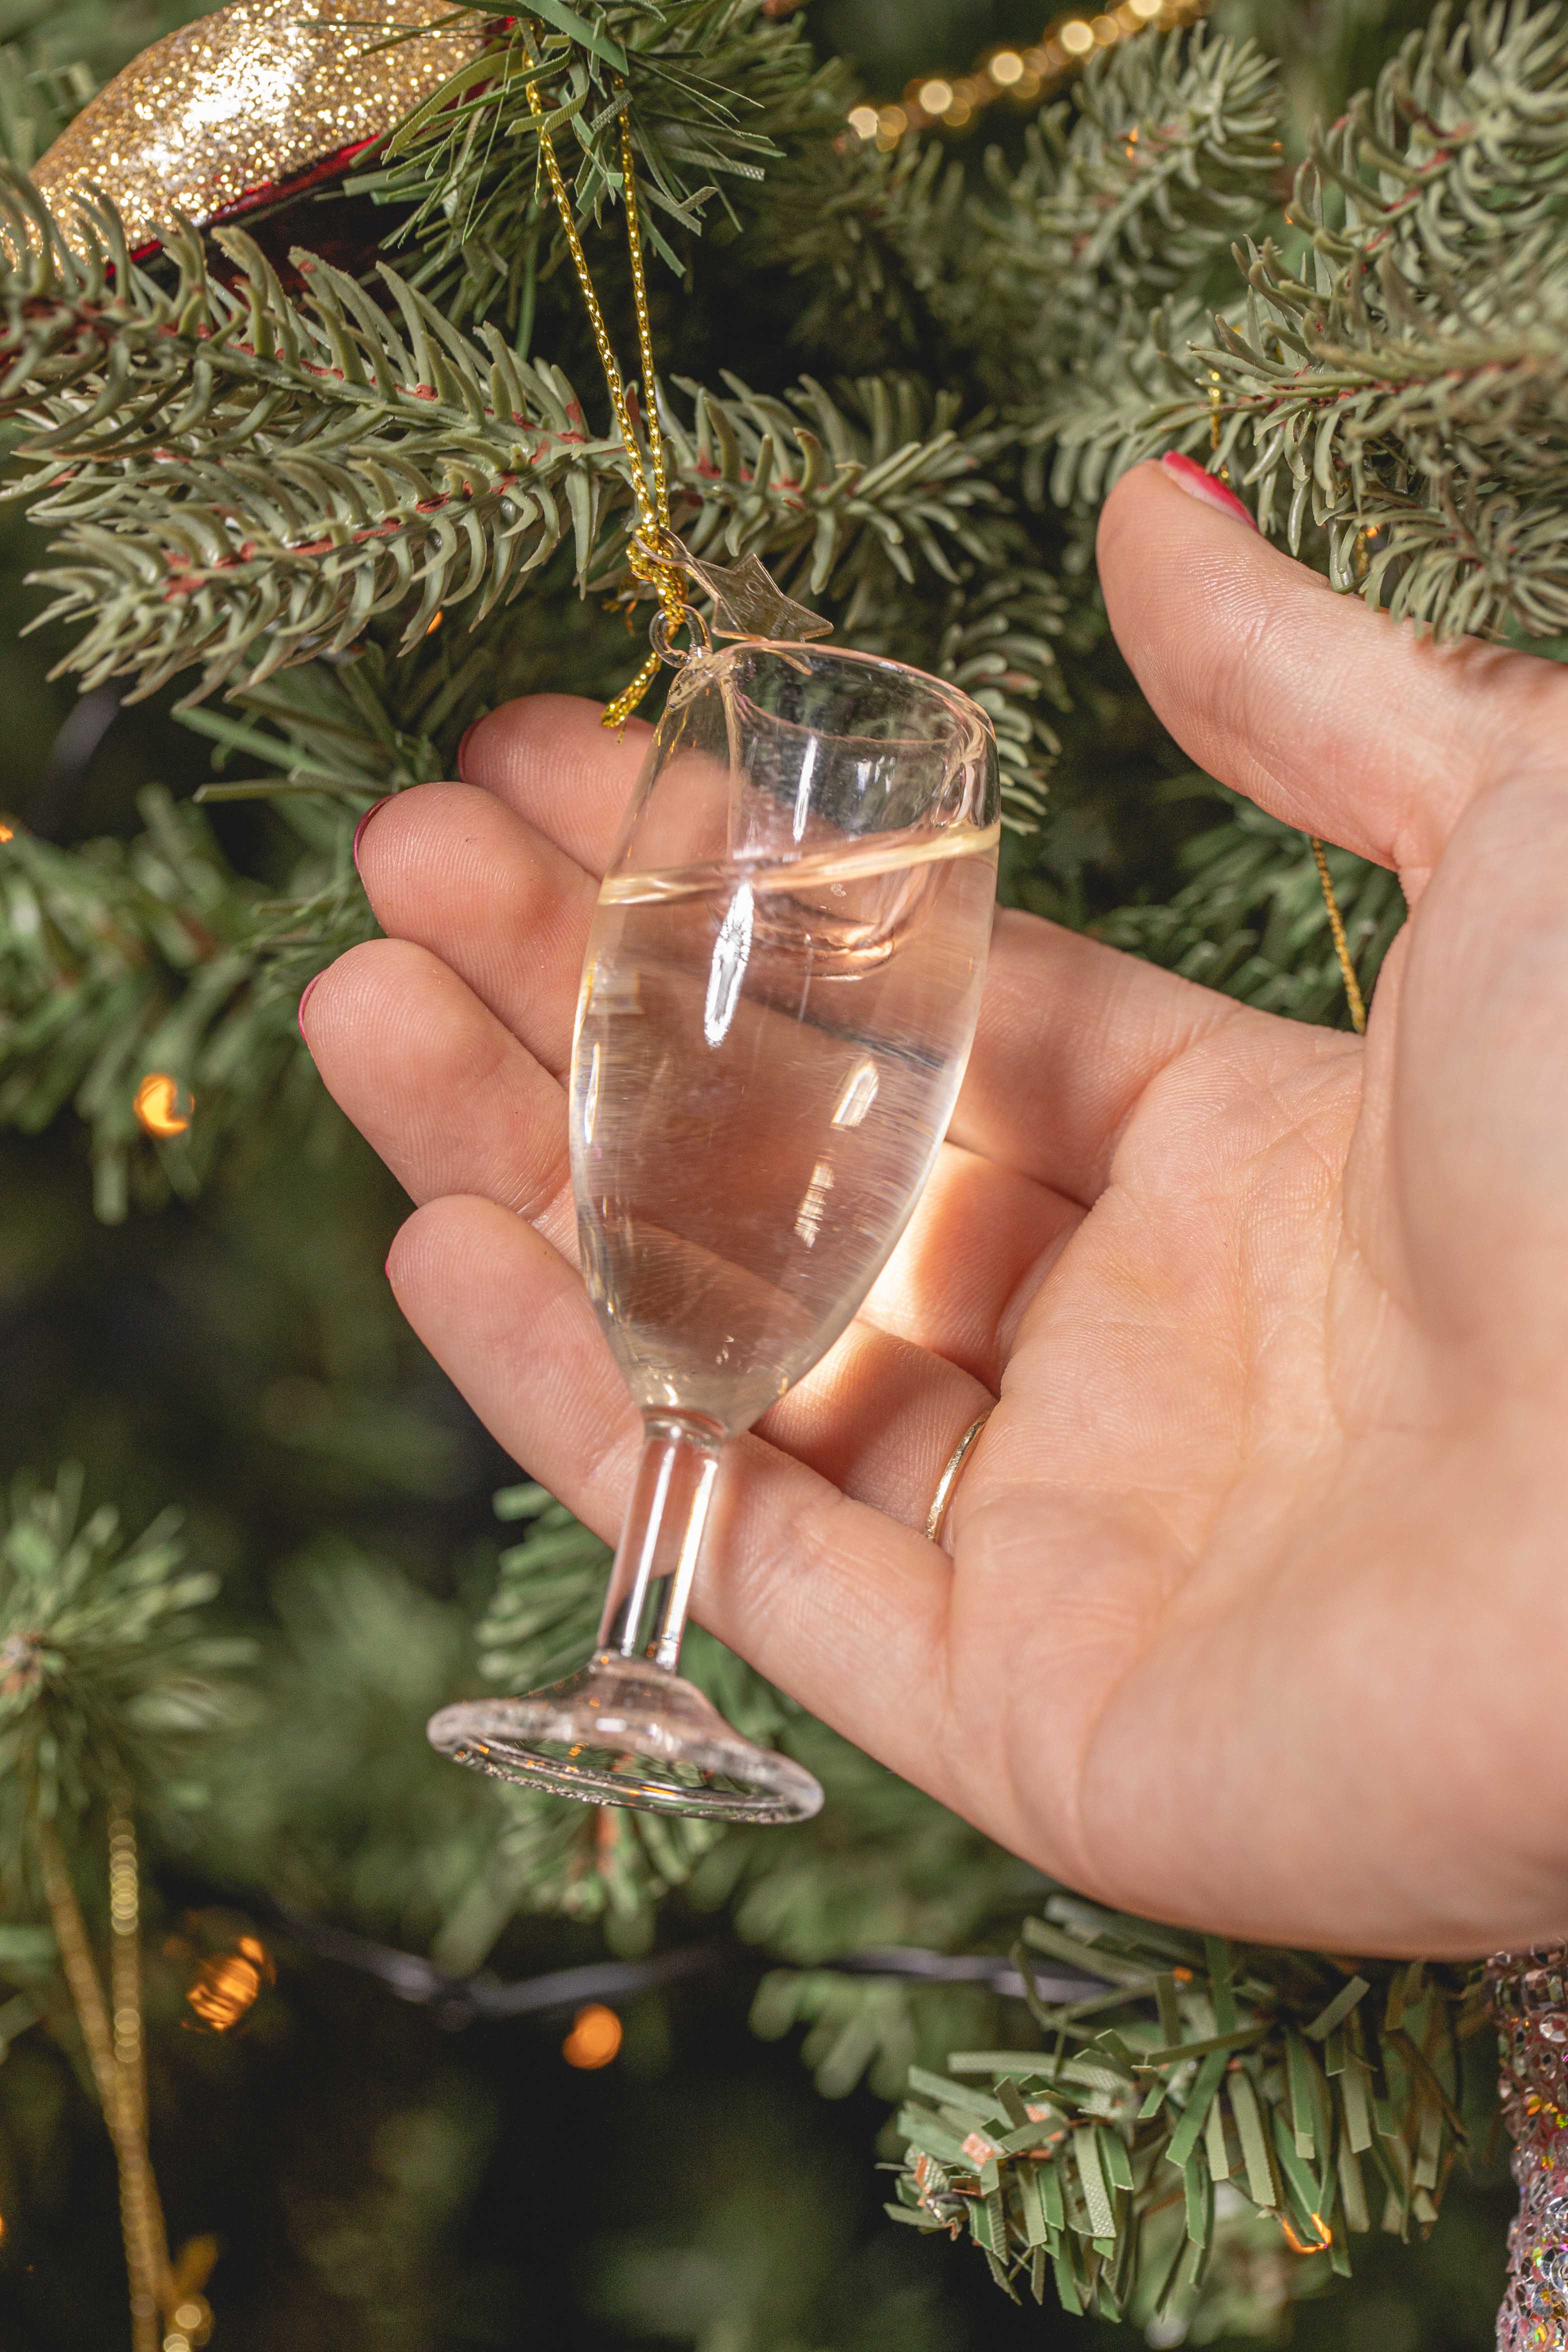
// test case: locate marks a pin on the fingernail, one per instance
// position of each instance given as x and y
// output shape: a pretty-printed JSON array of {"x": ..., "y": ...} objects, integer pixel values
[
  {"x": 359, "y": 830},
  {"x": 1189, "y": 476},
  {"x": 304, "y": 1000}
]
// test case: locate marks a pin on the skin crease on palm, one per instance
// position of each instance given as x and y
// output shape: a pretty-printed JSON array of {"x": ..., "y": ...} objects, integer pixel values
[{"x": 1250, "y": 1610}]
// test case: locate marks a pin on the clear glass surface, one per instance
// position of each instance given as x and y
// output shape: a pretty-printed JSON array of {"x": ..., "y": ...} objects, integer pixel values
[{"x": 778, "y": 999}]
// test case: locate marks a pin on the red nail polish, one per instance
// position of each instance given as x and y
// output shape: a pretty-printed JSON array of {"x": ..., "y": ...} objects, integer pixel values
[
  {"x": 304, "y": 1000},
  {"x": 359, "y": 829},
  {"x": 1189, "y": 476}
]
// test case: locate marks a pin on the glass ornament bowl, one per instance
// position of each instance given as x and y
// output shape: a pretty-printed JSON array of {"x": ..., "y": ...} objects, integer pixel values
[{"x": 778, "y": 1001}]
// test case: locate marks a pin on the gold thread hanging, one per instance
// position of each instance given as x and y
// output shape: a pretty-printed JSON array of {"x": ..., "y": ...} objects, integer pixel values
[
  {"x": 651, "y": 497},
  {"x": 1353, "y": 996}
]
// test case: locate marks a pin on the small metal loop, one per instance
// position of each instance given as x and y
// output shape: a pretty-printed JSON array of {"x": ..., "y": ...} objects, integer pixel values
[{"x": 688, "y": 617}]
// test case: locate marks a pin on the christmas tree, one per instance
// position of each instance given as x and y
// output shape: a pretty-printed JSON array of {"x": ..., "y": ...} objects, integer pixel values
[{"x": 302, "y": 490}]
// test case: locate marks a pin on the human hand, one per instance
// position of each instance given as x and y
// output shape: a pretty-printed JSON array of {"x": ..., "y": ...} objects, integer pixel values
[{"x": 1252, "y": 1608}]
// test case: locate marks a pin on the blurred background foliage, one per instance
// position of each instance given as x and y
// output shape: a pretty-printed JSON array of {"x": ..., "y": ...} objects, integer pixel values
[{"x": 376, "y": 2178}]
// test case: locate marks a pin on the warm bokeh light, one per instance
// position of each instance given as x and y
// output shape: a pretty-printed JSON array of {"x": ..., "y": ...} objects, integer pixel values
[
  {"x": 951, "y": 101},
  {"x": 7, "y": 830},
  {"x": 227, "y": 1989},
  {"x": 593, "y": 2040},
  {"x": 1300, "y": 2245},
  {"x": 162, "y": 1107}
]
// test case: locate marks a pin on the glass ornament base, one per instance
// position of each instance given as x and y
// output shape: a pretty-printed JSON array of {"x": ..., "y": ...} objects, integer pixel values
[{"x": 621, "y": 1731}]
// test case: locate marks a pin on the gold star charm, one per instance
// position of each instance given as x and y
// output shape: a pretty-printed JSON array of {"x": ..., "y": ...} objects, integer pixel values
[{"x": 747, "y": 600}]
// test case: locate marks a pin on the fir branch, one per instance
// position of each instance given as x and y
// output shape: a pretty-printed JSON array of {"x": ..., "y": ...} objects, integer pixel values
[
  {"x": 104, "y": 1667},
  {"x": 882, "y": 1865},
  {"x": 1252, "y": 921},
  {"x": 249, "y": 481},
  {"x": 1407, "y": 394},
  {"x": 709, "y": 88},
  {"x": 1096, "y": 2162},
  {"x": 118, "y": 962},
  {"x": 1133, "y": 189}
]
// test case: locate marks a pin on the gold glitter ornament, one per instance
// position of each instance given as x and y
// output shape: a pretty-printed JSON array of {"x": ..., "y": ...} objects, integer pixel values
[{"x": 250, "y": 105}]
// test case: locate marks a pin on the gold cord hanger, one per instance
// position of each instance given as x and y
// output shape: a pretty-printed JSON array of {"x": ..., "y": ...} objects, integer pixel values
[
  {"x": 650, "y": 484},
  {"x": 748, "y": 603}
]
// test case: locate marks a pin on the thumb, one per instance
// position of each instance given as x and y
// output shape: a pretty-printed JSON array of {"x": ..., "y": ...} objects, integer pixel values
[{"x": 1327, "y": 714}]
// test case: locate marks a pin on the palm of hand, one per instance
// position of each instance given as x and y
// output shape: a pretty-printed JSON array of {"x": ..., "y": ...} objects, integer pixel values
[{"x": 1252, "y": 1572}]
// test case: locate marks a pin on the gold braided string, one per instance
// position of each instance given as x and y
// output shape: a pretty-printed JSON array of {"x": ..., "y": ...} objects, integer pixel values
[
  {"x": 650, "y": 486},
  {"x": 1353, "y": 996},
  {"x": 120, "y": 2085}
]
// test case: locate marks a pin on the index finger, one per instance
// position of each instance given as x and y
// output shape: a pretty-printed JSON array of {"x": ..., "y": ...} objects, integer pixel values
[{"x": 550, "y": 759}]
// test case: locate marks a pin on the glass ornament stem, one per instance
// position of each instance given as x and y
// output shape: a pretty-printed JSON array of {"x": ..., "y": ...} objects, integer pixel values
[{"x": 655, "y": 1561}]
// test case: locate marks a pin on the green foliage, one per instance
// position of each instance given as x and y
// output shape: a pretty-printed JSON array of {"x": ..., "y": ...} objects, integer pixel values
[
  {"x": 1252, "y": 919},
  {"x": 330, "y": 1801},
  {"x": 1394, "y": 379},
  {"x": 1327, "y": 2092},
  {"x": 106, "y": 1669},
  {"x": 237, "y": 480},
  {"x": 706, "y": 87},
  {"x": 342, "y": 514},
  {"x": 124, "y": 962},
  {"x": 880, "y": 1865}
]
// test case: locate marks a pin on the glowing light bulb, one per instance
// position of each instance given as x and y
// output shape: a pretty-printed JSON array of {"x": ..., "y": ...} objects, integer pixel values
[
  {"x": 594, "y": 2038},
  {"x": 1300, "y": 2245},
  {"x": 1006, "y": 68},
  {"x": 936, "y": 97},
  {"x": 162, "y": 1107},
  {"x": 864, "y": 121},
  {"x": 1076, "y": 37}
]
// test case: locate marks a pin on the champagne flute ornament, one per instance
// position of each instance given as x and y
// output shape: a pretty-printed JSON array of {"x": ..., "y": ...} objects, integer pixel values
[{"x": 780, "y": 992}]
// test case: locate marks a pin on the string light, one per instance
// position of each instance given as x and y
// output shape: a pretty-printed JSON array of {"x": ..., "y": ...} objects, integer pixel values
[
  {"x": 1300, "y": 2245},
  {"x": 594, "y": 2038},
  {"x": 227, "y": 1989},
  {"x": 162, "y": 1107},
  {"x": 952, "y": 101},
  {"x": 7, "y": 830}
]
